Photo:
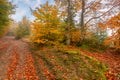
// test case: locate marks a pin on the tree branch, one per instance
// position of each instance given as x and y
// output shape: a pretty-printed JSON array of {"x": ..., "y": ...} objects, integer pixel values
[{"x": 100, "y": 15}]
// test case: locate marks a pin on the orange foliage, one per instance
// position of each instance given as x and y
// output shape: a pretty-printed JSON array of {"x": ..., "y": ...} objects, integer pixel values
[
  {"x": 114, "y": 25},
  {"x": 75, "y": 36}
]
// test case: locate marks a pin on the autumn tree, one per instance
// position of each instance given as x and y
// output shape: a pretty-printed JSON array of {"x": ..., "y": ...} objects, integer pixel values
[
  {"x": 23, "y": 28},
  {"x": 46, "y": 27},
  {"x": 87, "y": 10},
  {"x": 6, "y": 8},
  {"x": 66, "y": 7},
  {"x": 114, "y": 25},
  {"x": 89, "y": 14}
]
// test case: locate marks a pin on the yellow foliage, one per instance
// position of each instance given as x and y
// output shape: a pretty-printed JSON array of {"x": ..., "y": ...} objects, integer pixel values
[
  {"x": 46, "y": 29},
  {"x": 42, "y": 41},
  {"x": 75, "y": 36}
]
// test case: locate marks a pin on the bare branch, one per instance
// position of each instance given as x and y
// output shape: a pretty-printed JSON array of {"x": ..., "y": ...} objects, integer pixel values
[
  {"x": 101, "y": 14},
  {"x": 90, "y": 4}
]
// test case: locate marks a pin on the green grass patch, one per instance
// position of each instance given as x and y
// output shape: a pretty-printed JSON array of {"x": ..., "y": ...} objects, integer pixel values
[{"x": 89, "y": 48}]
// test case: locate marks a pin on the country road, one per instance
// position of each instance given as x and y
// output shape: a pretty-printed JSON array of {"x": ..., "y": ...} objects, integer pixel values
[{"x": 16, "y": 62}]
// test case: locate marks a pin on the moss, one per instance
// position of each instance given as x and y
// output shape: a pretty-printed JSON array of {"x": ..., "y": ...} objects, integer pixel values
[
  {"x": 72, "y": 52},
  {"x": 118, "y": 75},
  {"x": 92, "y": 49}
]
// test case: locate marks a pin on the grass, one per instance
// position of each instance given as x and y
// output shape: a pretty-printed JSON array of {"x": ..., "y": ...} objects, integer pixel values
[
  {"x": 89, "y": 48},
  {"x": 70, "y": 64}
]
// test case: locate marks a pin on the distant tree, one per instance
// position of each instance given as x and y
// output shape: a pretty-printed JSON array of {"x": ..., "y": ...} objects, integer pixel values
[
  {"x": 23, "y": 28},
  {"x": 11, "y": 28},
  {"x": 6, "y": 8}
]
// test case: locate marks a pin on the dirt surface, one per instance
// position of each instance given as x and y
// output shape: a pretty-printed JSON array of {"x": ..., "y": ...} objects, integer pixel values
[{"x": 16, "y": 62}]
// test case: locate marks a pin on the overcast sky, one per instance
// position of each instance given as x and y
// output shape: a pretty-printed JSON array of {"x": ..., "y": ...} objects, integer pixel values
[{"x": 23, "y": 8}]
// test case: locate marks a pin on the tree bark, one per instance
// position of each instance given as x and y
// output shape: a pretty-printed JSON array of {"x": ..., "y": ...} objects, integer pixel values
[
  {"x": 82, "y": 23},
  {"x": 68, "y": 22}
]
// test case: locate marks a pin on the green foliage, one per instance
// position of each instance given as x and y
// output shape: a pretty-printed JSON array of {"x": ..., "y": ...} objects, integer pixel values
[
  {"x": 6, "y": 8},
  {"x": 23, "y": 28},
  {"x": 94, "y": 41}
]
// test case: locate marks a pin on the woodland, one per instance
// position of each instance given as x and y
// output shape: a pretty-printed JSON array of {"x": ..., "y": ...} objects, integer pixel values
[{"x": 67, "y": 40}]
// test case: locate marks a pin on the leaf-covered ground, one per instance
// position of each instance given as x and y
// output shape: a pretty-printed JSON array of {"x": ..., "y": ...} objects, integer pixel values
[
  {"x": 55, "y": 63},
  {"x": 112, "y": 60},
  {"x": 60, "y": 64},
  {"x": 16, "y": 62}
]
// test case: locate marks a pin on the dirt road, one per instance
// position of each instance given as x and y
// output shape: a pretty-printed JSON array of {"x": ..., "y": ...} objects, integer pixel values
[{"x": 16, "y": 62}]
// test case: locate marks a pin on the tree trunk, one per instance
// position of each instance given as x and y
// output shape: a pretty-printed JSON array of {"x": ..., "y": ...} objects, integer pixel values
[
  {"x": 82, "y": 23},
  {"x": 68, "y": 22}
]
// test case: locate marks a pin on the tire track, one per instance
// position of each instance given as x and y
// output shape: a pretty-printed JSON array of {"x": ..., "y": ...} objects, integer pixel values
[
  {"x": 13, "y": 65},
  {"x": 16, "y": 61}
]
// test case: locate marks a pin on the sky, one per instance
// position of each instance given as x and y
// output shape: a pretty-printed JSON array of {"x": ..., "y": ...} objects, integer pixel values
[{"x": 23, "y": 8}]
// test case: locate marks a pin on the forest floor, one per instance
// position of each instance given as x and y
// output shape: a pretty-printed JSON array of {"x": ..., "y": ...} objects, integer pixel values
[
  {"x": 18, "y": 62},
  {"x": 77, "y": 61},
  {"x": 111, "y": 59}
]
